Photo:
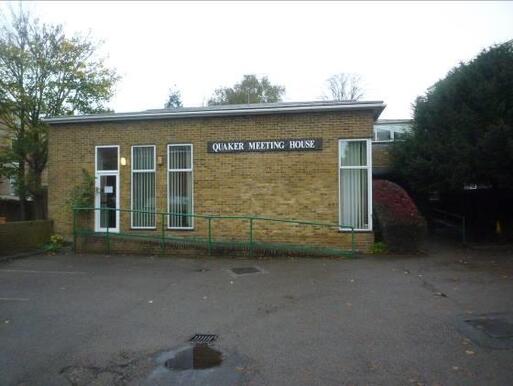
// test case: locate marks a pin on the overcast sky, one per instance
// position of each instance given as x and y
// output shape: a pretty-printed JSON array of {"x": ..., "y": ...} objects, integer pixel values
[{"x": 399, "y": 48}]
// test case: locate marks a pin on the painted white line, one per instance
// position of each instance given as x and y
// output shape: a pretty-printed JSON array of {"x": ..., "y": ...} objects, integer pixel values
[
  {"x": 14, "y": 299},
  {"x": 52, "y": 272}
]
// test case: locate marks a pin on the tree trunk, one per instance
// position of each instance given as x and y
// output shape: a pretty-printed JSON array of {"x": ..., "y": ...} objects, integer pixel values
[
  {"x": 22, "y": 192},
  {"x": 38, "y": 195},
  {"x": 39, "y": 207}
]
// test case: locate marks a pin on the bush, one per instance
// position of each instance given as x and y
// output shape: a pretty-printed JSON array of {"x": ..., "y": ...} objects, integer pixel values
[
  {"x": 82, "y": 194},
  {"x": 402, "y": 227},
  {"x": 378, "y": 248},
  {"x": 55, "y": 244}
]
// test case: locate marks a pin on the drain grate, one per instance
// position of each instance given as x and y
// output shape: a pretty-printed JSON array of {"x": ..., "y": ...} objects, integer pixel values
[
  {"x": 203, "y": 338},
  {"x": 245, "y": 270}
]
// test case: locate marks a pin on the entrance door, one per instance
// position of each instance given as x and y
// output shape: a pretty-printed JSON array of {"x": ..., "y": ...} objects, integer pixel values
[{"x": 107, "y": 189}]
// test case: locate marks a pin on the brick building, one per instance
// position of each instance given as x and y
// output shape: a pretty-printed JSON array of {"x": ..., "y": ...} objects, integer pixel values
[
  {"x": 307, "y": 161},
  {"x": 386, "y": 132}
]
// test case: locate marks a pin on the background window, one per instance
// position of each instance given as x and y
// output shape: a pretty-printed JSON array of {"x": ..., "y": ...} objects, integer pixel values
[
  {"x": 383, "y": 135},
  {"x": 143, "y": 186},
  {"x": 180, "y": 200},
  {"x": 355, "y": 184}
]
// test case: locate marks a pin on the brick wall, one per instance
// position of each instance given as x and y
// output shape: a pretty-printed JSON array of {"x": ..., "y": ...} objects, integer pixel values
[
  {"x": 293, "y": 185},
  {"x": 381, "y": 159}
]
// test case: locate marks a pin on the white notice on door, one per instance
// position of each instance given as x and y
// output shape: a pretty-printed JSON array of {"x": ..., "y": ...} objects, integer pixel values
[{"x": 108, "y": 189}]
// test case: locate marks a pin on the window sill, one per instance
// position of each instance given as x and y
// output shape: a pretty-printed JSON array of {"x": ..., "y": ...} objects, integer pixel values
[{"x": 355, "y": 231}]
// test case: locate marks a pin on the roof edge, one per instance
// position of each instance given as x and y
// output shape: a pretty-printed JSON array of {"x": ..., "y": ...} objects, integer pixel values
[{"x": 376, "y": 106}]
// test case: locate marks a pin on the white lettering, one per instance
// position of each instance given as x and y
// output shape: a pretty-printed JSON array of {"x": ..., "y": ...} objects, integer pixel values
[{"x": 271, "y": 145}]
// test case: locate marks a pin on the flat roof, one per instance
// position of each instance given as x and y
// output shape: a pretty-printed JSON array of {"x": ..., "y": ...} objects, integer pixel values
[{"x": 225, "y": 110}]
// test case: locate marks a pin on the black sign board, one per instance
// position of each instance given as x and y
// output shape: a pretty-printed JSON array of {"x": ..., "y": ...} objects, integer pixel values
[{"x": 302, "y": 144}]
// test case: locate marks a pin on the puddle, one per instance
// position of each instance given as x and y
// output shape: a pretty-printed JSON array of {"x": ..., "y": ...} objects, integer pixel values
[
  {"x": 498, "y": 328},
  {"x": 492, "y": 330},
  {"x": 198, "y": 356},
  {"x": 180, "y": 366},
  {"x": 245, "y": 270}
]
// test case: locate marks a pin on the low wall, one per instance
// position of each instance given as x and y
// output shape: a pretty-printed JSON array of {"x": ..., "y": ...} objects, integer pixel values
[{"x": 19, "y": 236}]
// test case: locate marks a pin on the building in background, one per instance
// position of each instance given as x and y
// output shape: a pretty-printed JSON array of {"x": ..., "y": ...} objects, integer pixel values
[{"x": 386, "y": 132}]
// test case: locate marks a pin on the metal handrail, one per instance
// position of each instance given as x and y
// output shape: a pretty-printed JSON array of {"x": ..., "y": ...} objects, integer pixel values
[
  {"x": 457, "y": 216},
  {"x": 209, "y": 218}
]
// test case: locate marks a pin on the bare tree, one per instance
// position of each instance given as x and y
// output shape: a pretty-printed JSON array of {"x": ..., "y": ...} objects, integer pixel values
[{"x": 344, "y": 86}]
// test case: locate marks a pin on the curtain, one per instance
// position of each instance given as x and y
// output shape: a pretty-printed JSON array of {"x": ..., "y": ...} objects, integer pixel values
[
  {"x": 354, "y": 187},
  {"x": 180, "y": 186}
]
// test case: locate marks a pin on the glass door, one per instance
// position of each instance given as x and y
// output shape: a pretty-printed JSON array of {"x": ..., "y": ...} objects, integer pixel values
[{"x": 107, "y": 189}]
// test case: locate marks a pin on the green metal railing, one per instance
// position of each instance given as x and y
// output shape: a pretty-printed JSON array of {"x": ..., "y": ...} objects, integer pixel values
[{"x": 250, "y": 244}]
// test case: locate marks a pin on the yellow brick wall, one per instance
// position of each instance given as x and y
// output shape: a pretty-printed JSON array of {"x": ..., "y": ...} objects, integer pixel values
[
  {"x": 381, "y": 155},
  {"x": 293, "y": 185}
]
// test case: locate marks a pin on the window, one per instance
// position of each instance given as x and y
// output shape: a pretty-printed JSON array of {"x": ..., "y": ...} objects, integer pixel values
[
  {"x": 12, "y": 186},
  {"x": 355, "y": 184},
  {"x": 180, "y": 185},
  {"x": 143, "y": 186},
  {"x": 383, "y": 135},
  {"x": 399, "y": 135},
  {"x": 390, "y": 132},
  {"x": 107, "y": 158}
]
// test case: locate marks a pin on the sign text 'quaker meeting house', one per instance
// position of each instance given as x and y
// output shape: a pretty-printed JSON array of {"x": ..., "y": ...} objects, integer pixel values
[{"x": 265, "y": 145}]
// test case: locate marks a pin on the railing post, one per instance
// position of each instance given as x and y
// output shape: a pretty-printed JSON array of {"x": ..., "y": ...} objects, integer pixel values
[
  {"x": 108, "y": 237},
  {"x": 352, "y": 241},
  {"x": 74, "y": 231},
  {"x": 251, "y": 236},
  {"x": 162, "y": 231},
  {"x": 209, "y": 236}
]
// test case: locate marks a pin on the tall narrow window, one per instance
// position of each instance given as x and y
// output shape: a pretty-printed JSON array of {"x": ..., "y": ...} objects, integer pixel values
[
  {"x": 143, "y": 187},
  {"x": 180, "y": 200},
  {"x": 355, "y": 184}
]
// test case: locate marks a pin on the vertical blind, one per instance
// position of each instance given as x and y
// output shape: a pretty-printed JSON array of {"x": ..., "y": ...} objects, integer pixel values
[
  {"x": 180, "y": 185},
  {"x": 143, "y": 186},
  {"x": 354, "y": 184}
]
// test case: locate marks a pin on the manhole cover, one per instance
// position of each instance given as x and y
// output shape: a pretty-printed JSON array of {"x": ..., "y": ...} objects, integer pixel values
[
  {"x": 199, "y": 356},
  {"x": 203, "y": 338},
  {"x": 496, "y": 327},
  {"x": 245, "y": 270}
]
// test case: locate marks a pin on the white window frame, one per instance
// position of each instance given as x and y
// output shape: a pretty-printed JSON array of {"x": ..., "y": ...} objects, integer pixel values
[
  {"x": 383, "y": 140},
  {"x": 169, "y": 170},
  {"x": 97, "y": 184},
  {"x": 368, "y": 167},
  {"x": 393, "y": 130},
  {"x": 132, "y": 171}
]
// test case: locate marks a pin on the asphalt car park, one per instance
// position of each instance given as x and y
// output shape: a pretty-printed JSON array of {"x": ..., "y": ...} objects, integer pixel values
[{"x": 443, "y": 318}]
